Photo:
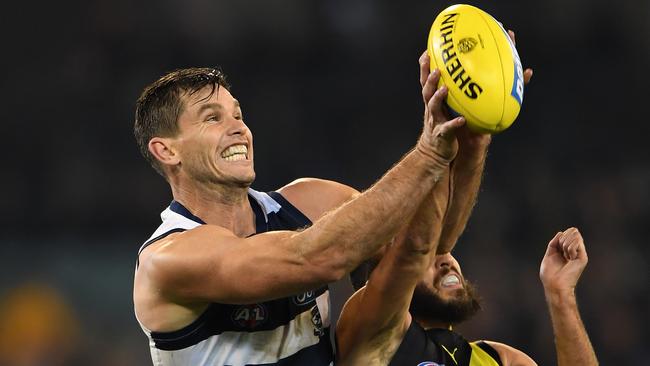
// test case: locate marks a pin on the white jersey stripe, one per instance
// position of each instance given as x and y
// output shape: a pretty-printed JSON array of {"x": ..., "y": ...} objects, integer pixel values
[
  {"x": 265, "y": 201},
  {"x": 241, "y": 348},
  {"x": 211, "y": 341}
]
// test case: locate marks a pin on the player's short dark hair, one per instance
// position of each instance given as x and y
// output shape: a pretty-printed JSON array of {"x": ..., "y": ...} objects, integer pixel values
[{"x": 160, "y": 104}]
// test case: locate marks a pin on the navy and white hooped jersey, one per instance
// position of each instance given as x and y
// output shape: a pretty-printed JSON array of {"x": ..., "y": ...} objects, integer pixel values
[{"x": 288, "y": 331}]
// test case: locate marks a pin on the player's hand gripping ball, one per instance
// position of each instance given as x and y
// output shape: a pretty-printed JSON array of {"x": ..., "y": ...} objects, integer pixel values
[{"x": 480, "y": 66}]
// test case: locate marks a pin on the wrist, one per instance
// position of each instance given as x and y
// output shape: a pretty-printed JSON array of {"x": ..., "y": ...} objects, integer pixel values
[
  {"x": 436, "y": 164},
  {"x": 473, "y": 156},
  {"x": 478, "y": 143},
  {"x": 560, "y": 296}
]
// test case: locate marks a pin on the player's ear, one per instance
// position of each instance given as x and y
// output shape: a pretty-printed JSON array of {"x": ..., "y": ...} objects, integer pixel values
[{"x": 161, "y": 148}]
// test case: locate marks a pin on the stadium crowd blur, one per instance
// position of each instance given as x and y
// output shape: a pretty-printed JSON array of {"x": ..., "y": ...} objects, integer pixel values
[{"x": 330, "y": 89}]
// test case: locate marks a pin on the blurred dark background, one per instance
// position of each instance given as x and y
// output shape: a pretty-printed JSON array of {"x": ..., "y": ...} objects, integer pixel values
[{"x": 330, "y": 89}]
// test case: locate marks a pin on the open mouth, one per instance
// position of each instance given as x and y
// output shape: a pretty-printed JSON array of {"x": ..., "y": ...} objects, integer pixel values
[
  {"x": 450, "y": 280},
  {"x": 235, "y": 153}
]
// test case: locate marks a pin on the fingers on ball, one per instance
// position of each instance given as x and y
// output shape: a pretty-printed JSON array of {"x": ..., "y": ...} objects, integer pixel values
[
  {"x": 430, "y": 85},
  {"x": 448, "y": 128},
  {"x": 436, "y": 102},
  {"x": 424, "y": 68}
]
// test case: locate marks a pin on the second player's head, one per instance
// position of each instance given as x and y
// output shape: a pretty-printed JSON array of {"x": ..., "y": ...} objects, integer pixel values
[
  {"x": 443, "y": 297},
  {"x": 189, "y": 126}
]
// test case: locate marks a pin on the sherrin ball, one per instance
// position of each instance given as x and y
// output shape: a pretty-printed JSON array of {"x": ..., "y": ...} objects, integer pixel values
[{"x": 480, "y": 66}]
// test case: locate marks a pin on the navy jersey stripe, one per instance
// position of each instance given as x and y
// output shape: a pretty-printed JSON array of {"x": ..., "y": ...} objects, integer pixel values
[
  {"x": 219, "y": 318},
  {"x": 261, "y": 225},
  {"x": 181, "y": 210},
  {"x": 264, "y": 316},
  {"x": 290, "y": 209}
]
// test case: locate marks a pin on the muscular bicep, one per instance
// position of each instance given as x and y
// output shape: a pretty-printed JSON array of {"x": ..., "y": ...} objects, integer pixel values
[
  {"x": 511, "y": 356},
  {"x": 210, "y": 264}
]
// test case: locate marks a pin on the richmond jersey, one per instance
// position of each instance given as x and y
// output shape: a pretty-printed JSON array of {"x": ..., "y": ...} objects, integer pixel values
[
  {"x": 442, "y": 347},
  {"x": 287, "y": 331}
]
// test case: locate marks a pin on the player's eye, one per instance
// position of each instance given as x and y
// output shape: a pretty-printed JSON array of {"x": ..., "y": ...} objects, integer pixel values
[{"x": 214, "y": 118}]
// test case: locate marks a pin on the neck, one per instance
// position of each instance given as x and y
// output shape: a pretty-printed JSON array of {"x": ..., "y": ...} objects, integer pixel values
[{"x": 225, "y": 206}]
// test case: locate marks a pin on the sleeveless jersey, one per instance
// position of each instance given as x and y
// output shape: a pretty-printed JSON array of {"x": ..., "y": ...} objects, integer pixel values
[
  {"x": 442, "y": 347},
  {"x": 287, "y": 331}
]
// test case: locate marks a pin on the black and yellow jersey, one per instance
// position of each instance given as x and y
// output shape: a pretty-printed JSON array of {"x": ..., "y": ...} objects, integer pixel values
[{"x": 442, "y": 347}]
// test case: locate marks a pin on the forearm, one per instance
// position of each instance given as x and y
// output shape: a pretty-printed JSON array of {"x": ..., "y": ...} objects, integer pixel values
[
  {"x": 466, "y": 176},
  {"x": 386, "y": 297},
  {"x": 571, "y": 340},
  {"x": 356, "y": 230},
  {"x": 409, "y": 256},
  {"x": 422, "y": 234}
]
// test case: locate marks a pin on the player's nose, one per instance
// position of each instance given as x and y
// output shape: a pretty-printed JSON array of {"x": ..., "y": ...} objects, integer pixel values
[
  {"x": 444, "y": 260},
  {"x": 236, "y": 127}
]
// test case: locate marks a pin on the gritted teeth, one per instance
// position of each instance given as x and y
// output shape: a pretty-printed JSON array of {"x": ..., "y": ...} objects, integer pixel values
[
  {"x": 450, "y": 280},
  {"x": 235, "y": 157},
  {"x": 235, "y": 152}
]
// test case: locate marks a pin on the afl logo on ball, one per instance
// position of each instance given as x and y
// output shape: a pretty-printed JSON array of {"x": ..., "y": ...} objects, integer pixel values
[
  {"x": 466, "y": 45},
  {"x": 429, "y": 363},
  {"x": 304, "y": 299},
  {"x": 250, "y": 316}
]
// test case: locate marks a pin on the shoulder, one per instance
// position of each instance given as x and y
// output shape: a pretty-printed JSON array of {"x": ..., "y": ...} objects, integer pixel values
[
  {"x": 314, "y": 197},
  {"x": 163, "y": 258},
  {"x": 511, "y": 356}
]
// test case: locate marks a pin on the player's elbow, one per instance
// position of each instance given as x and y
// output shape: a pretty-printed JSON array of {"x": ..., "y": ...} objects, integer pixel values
[
  {"x": 331, "y": 272},
  {"x": 326, "y": 263},
  {"x": 337, "y": 272},
  {"x": 328, "y": 267}
]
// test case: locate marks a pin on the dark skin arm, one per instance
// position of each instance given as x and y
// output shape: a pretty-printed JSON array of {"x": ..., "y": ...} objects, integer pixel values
[
  {"x": 375, "y": 318},
  {"x": 466, "y": 175}
]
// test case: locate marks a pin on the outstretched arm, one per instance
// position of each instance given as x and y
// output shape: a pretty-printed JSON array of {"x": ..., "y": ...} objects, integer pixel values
[
  {"x": 563, "y": 263},
  {"x": 375, "y": 318},
  {"x": 466, "y": 175},
  {"x": 206, "y": 264}
]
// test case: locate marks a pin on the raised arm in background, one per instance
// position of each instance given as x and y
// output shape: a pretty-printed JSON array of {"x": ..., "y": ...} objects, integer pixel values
[{"x": 563, "y": 263}]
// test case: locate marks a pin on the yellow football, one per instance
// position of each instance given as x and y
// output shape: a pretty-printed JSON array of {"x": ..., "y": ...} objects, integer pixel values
[{"x": 479, "y": 65}]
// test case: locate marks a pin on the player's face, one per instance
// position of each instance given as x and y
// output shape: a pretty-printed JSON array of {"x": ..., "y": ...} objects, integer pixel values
[
  {"x": 444, "y": 277},
  {"x": 214, "y": 144},
  {"x": 443, "y": 296}
]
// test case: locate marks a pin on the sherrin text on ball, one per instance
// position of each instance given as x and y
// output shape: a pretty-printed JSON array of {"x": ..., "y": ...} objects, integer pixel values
[{"x": 480, "y": 66}]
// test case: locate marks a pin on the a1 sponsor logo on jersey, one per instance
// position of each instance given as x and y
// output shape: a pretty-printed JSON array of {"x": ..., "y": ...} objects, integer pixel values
[
  {"x": 430, "y": 363},
  {"x": 304, "y": 298},
  {"x": 250, "y": 316}
]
